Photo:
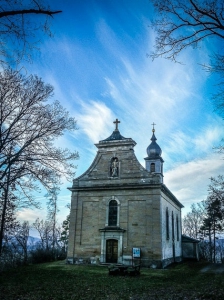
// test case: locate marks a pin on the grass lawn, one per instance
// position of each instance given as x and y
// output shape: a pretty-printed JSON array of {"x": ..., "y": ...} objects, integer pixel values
[{"x": 54, "y": 281}]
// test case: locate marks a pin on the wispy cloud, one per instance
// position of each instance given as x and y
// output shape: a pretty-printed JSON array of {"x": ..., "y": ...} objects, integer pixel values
[
  {"x": 191, "y": 145},
  {"x": 148, "y": 90},
  {"x": 209, "y": 138},
  {"x": 189, "y": 181},
  {"x": 30, "y": 215},
  {"x": 95, "y": 120}
]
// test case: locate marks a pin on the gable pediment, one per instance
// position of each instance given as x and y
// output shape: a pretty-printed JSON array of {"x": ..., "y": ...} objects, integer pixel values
[{"x": 129, "y": 170}]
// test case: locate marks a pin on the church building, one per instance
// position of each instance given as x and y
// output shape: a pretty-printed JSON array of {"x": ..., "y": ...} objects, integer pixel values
[{"x": 121, "y": 211}]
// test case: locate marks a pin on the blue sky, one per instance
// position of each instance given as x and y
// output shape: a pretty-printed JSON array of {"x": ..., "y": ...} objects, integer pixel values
[{"x": 98, "y": 64}]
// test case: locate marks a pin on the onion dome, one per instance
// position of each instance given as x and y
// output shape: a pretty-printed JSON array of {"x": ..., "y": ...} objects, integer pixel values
[
  {"x": 154, "y": 150},
  {"x": 114, "y": 136},
  {"x": 116, "y": 140}
]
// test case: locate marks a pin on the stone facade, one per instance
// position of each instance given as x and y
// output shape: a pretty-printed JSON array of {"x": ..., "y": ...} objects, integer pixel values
[{"x": 118, "y": 205}]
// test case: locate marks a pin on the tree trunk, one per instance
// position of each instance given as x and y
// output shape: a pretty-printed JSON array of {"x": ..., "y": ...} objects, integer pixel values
[
  {"x": 6, "y": 192},
  {"x": 210, "y": 243},
  {"x": 214, "y": 242},
  {"x": 3, "y": 220}
]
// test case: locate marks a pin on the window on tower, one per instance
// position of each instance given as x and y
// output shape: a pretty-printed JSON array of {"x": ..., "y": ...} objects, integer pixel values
[{"x": 152, "y": 167}]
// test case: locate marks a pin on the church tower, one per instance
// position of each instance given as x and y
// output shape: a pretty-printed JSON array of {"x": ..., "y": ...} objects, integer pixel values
[{"x": 154, "y": 161}]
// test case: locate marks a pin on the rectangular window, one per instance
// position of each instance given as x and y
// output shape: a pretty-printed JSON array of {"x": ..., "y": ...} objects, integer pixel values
[
  {"x": 173, "y": 228},
  {"x": 167, "y": 224},
  {"x": 177, "y": 223}
]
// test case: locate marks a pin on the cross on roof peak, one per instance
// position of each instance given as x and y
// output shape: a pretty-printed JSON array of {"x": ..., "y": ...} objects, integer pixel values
[
  {"x": 116, "y": 122},
  {"x": 153, "y": 129}
]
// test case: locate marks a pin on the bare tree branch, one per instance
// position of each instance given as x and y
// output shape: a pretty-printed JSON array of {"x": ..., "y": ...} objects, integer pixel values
[
  {"x": 28, "y": 11},
  {"x": 19, "y": 29},
  {"x": 28, "y": 129},
  {"x": 184, "y": 23}
]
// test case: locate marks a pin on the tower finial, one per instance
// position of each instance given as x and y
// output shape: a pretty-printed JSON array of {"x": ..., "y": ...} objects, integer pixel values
[
  {"x": 116, "y": 122},
  {"x": 153, "y": 124}
]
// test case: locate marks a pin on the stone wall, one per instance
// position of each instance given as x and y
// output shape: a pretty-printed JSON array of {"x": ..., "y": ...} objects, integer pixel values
[{"x": 139, "y": 216}]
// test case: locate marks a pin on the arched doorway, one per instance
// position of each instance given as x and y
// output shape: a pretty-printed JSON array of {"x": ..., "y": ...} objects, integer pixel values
[{"x": 111, "y": 251}]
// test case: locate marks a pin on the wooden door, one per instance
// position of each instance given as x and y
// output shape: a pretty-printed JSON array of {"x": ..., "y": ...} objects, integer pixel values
[{"x": 111, "y": 251}]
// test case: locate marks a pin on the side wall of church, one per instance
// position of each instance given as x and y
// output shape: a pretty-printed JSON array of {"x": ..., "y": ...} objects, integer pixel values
[{"x": 171, "y": 241}]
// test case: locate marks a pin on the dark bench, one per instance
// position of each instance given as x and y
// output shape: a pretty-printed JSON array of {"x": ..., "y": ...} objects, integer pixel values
[
  {"x": 113, "y": 270},
  {"x": 124, "y": 270},
  {"x": 133, "y": 270}
]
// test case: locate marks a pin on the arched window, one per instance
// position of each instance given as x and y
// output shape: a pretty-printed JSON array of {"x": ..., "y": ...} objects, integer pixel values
[
  {"x": 167, "y": 224},
  {"x": 152, "y": 167},
  {"x": 177, "y": 224},
  {"x": 112, "y": 217}
]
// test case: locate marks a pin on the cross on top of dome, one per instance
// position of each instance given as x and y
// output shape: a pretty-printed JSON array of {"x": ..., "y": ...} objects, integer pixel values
[
  {"x": 153, "y": 129},
  {"x": 153, "y": 150},
  {"x": 116, "y": 134},
  {"x": 116, "y": 122}
]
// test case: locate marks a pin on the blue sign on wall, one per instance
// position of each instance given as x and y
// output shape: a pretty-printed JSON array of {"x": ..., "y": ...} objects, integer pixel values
[{"x": 136, "y": 252}]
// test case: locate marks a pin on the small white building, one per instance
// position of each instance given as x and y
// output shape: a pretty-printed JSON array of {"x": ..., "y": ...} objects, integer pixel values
[{"x": 190, "y": 248}]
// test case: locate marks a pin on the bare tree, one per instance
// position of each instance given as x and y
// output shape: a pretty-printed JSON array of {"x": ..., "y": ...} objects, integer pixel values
[
  {"x": 44, "y": 230},
  {"x": 20, "y": 241},
  {"x": 216, "y": 188},
  {"x": 50, "y": 247},
  {"x": 19, "y": 29},
  {"x": 193, "y": 220},
  {"x": 52, "y": 207},
  {"x": 15, "y": 247},
  {"x": 184, "y": 23},
  {"x": 28, "y": 129},
  {"x": 214, "y": 214},
  {"x": 10, "y": 222},
  {"x": 181, "y": 24},
  {"x": 64, "y": 236}
]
